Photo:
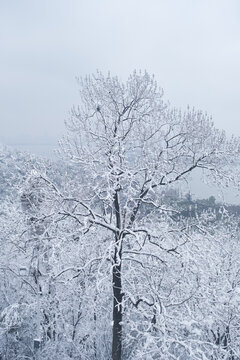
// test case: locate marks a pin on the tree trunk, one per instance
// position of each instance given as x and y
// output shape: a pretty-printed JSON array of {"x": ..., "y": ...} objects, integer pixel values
[
  {"x": 117, "y": 288},
  {"x": 117, "y": 313}
]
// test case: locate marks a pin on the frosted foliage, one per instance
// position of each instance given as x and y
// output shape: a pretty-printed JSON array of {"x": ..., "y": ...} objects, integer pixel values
[
  {"x": 127, "y": 130},
  {"x": 95, "y": 263}
]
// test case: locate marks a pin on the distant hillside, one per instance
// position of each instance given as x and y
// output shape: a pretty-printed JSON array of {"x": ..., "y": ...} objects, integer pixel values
[{"x": 189, "y": 207}]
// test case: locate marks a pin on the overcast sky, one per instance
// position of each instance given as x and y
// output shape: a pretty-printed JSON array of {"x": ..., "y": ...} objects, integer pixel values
[{"x": 193, "y": 48}]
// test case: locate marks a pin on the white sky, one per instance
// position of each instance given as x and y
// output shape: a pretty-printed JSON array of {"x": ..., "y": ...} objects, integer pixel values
[{"x": 193, "y": 48}]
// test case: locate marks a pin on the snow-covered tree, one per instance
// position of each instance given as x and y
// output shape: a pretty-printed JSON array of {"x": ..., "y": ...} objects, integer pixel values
[
  {"x": 129, "y": 144},
  {"x": 95, "y": 262}
]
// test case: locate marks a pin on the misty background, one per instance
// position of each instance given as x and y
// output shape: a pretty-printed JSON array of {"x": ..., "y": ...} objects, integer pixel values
[{"x": 193, "y": 48}]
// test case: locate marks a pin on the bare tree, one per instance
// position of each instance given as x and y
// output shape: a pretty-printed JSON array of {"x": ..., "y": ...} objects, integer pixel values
[{"x": 129, "y": 144}]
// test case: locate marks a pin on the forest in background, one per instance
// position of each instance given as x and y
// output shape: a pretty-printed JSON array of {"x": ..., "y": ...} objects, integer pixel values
[{"x": 100, "y": 257}]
